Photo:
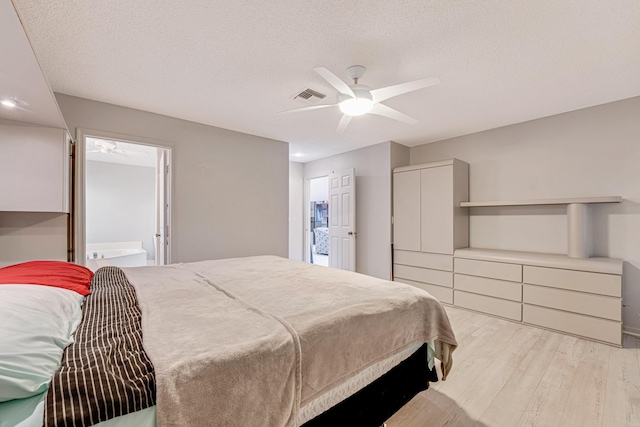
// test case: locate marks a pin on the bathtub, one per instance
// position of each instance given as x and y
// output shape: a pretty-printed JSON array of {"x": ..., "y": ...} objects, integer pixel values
[{"x": 119, "y": 254}]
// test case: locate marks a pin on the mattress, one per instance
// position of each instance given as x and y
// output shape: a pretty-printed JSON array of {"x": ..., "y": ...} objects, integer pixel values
[{"x": 29, "y": 412}]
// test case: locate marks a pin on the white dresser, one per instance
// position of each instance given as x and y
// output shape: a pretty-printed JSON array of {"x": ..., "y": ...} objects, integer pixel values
[{"x": 582, "y": 297}]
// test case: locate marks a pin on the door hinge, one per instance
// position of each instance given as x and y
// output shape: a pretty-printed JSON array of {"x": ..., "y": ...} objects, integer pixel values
[{"x": 166, "y": 170}]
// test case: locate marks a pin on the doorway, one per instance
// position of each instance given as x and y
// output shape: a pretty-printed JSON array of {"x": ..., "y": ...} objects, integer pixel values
[
  {"x": 318, "y": 221},
  {"x": 124, "y": 207}
]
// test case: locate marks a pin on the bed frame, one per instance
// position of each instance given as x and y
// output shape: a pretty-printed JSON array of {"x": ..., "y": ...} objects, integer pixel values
[{"x": 376, "y": 403}]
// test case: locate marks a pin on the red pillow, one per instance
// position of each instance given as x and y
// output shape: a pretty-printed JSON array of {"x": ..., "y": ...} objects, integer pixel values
[{"x": 48, "y": 273}]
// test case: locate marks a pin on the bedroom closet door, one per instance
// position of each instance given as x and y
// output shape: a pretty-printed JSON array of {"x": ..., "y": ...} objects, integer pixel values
[{"x": 342, "y": 220}]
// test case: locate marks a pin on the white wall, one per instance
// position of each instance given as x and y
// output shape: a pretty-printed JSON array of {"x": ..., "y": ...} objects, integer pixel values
[
  {"x": 319, "y": 189},
  {"x": 120, "y": 202},
  {"x": 296, "y": 210},
  {"x": 589, "y": 152},
  {"x": 230, "y": 190},
  {"x": 373, "y": 204}
]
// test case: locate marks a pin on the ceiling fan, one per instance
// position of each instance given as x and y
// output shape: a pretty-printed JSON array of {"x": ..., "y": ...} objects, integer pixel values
[
  {"x": 111, "y": 147},
  {"x": 357, "y": 99}
]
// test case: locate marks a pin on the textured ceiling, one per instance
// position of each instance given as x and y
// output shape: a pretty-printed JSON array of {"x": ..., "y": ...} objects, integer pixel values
[{"x": 235, "y": 64}]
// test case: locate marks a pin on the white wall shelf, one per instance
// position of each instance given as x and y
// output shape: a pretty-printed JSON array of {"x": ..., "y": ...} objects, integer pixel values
[
  {"x": 577, "y": 246},
  {"x": 539, "y": 202}
]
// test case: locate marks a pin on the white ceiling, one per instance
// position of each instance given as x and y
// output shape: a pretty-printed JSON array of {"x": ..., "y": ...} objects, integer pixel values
[
  {"x": 124, "y": 153},
  {"x": 235, "y": 64}
]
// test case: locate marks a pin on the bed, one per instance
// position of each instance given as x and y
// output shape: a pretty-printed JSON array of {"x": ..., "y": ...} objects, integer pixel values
[{"x": 245, "y": 341}]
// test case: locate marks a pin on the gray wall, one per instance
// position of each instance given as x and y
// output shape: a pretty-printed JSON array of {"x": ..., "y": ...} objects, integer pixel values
[
  {"x": 589, "y": 152},
  {"x": 230, "y": 190},
  {"x": 373, "y": 204},
  {"x": 27, "y": 236},
  {"x": 296, "y": 210},
  {"x": 120, "y": 203}
]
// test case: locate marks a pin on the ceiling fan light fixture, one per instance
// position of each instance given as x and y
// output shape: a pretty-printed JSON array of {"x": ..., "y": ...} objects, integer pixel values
[
  {"x": 356, "y": 106},
  {"x": 9, "y": 103}
]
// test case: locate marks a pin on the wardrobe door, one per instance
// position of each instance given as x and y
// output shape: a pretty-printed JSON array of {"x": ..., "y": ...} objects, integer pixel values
[
  {"x": 406, "y": 210},
  {"x": 436, "y": 196}
]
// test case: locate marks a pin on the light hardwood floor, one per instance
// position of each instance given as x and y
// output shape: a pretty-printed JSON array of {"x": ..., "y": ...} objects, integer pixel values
[{"x": 509, "y": 374}]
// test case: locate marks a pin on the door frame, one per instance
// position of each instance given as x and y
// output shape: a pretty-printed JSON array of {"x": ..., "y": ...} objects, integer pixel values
[
  {"x": 80, "y": 207},
  {"x": 306, "y": 244}
]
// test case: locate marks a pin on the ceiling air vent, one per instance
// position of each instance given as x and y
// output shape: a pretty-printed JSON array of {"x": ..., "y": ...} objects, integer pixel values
[{"x": 309, "y": 96}]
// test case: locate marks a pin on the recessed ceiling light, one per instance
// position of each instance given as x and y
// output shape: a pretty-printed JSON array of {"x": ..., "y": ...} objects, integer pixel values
[
  {"x": 8, "y": 103},
  {"x": 298, "y": 154}
]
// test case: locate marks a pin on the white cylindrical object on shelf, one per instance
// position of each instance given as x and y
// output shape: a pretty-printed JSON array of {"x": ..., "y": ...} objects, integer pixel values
[{"x": 577, "y": 242}]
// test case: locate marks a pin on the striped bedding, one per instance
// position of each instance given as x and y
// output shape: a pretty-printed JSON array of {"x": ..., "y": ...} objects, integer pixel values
[{"x": 106, "y": 368}]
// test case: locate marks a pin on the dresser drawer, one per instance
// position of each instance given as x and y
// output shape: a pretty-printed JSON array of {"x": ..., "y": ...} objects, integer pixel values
[
  {"x": 490, "y": 287},
  {"x": 498, "y": 307},
  {"x": 576, "y": 324},
  {"x": 577, "y": 302},
  {"x": 425, "y": 275},
  {"x": 441, "y": 293},
  {"x": 493, "y": 270},
  {"x": 596, "y": 283},
  {"x": 425, "y": 260}
]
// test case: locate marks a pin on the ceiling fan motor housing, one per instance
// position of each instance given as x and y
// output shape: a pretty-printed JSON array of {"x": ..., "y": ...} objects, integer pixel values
[
  {"x": 361, "y": 92},
  {"x": 356, "y": 71}
]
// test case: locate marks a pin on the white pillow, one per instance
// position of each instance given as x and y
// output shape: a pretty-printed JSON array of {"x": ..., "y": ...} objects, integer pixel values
[{"x": 36, "y": 324}]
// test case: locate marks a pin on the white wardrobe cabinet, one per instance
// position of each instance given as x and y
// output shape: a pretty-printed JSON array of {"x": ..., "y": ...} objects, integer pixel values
[
  {"x": 34, "y": 169},
  {"x": 428, "y": 224}
]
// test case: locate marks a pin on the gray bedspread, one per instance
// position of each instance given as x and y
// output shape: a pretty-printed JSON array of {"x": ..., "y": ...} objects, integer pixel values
[{"x": 247, "y": 341}]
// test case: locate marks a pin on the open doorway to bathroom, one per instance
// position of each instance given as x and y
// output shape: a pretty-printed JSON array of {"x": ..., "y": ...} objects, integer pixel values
[
  {"x": 126, "y": 203},
  {"x": 318, "y": 217}
]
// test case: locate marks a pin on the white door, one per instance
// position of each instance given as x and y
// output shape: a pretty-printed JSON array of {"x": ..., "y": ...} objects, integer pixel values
[
  {"x": 162, "y": 208},
  {"x": 342, "y": 220}
]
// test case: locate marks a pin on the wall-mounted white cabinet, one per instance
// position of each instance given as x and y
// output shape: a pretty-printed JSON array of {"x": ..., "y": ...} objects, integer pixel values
[{"x": 34, "y": 169}]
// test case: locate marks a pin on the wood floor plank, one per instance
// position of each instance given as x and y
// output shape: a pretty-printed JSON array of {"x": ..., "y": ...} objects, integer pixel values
[
  {"x": 508, "y": 374},
  {"x": 548, "y": 401},
  {"x": 490, "y": 349},
  {"x": 510, "y": 404},
  {"x": 440, "y": 399},
  {"x": 585, "y": 406},
  {"x": 480, "y": 393},
  {"x": 622, "y": 404}
]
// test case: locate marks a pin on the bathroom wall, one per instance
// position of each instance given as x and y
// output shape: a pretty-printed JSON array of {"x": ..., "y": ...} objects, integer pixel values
[{"x": 120, "y": 204}]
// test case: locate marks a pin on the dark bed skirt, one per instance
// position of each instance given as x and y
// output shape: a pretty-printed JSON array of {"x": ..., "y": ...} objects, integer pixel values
[{"x": 377, "y": 402}]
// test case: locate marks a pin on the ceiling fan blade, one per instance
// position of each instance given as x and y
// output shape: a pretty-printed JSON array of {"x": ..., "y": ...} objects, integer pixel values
[
  {"x": 391, "y": 91},
  {"x": 335, "y": 81},
  {"x": 104, "y": 143},
  {"x": 344, "y": 122},
  {"x": 130, "y": 152},
  {"x": 313, "y": 107},
  {"x": 383, "y": 110}
]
